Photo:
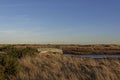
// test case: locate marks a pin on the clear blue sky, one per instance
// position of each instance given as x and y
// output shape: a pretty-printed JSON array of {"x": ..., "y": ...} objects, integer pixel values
[{"x": 60, "y": 21}]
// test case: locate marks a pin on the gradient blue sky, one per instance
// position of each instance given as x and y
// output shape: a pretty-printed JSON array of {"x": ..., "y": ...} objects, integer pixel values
[{"x": 60, "y": 21}]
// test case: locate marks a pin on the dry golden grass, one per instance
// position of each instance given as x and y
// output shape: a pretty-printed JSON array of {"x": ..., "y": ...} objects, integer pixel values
[
  {"x": 58, "y": 67},
  {"x": 50, "y": 66}
]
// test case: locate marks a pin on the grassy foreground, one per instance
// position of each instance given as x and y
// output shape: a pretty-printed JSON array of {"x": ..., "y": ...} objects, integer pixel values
[
  {"x": 23, "y": 64},
  {"x": 57, "y": 67}
]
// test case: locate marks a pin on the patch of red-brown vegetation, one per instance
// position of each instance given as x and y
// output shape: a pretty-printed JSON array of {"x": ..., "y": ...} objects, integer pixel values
[{"x": 92, "y": 49}]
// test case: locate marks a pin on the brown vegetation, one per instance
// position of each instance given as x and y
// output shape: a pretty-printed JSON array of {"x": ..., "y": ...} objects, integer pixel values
[
  {"x": 57, "y": 67},
  {"x": 80, "y": 49},
  {"x": 91, "y": 49},
  {"x": 21, "y": 63}
]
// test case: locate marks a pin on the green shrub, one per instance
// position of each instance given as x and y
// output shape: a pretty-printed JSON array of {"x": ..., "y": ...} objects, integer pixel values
[
  {"x": 6, "y": 48},
  {"x": 8, "y": 66},
  {"x": 2, "y": 75},
  {"x": 18, "y": 52}
]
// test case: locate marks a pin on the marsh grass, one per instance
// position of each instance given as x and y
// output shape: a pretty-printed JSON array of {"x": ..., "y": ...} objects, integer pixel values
[
  {"x": 91, "y": 49},
  {"x": 58, "y": 67},
  {"x": 20, "y": 63}
]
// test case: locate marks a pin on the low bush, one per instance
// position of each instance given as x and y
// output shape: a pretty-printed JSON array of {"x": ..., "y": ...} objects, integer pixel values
[
  {"x": 9, "y": 66},
  {"x": 18, "y": 52},
  {"x": 2, "y": 75}
]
